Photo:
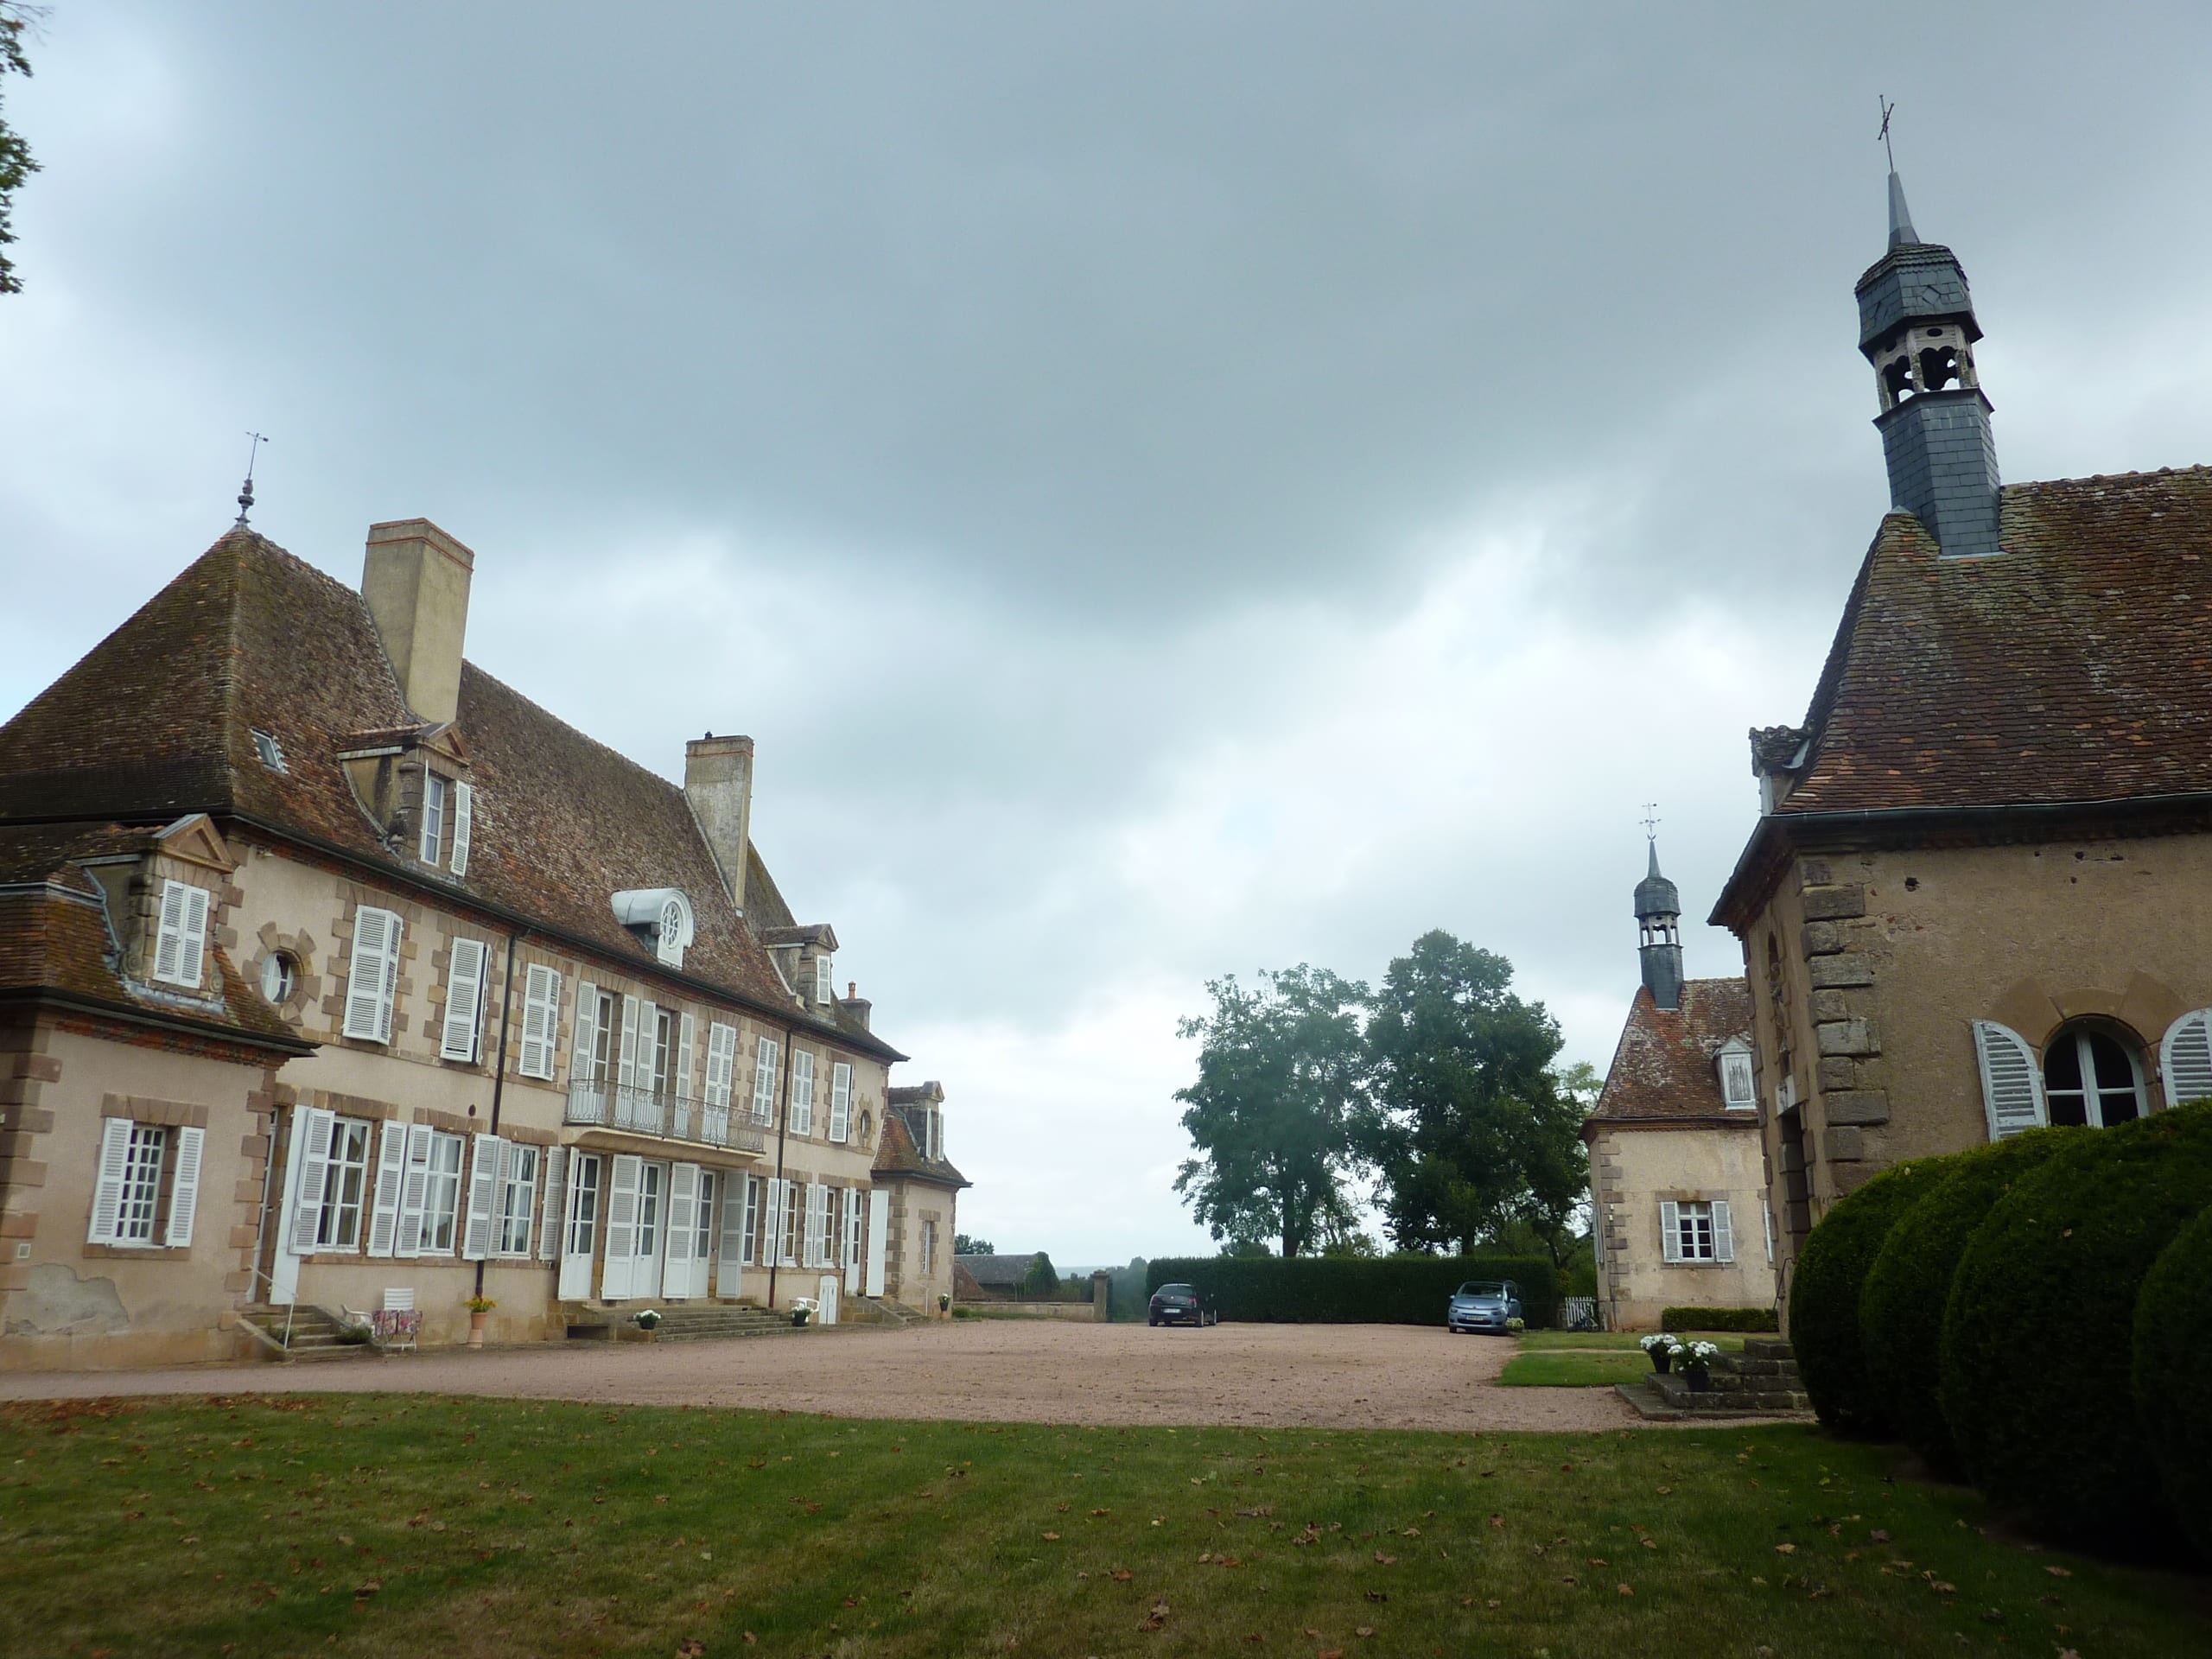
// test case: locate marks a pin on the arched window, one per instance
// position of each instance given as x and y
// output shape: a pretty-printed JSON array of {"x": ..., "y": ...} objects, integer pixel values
[{"x": 2091, "y": 1074}]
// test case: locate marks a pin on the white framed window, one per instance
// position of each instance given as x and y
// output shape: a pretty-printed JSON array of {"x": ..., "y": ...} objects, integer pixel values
[
  {"x": 518, "y": 1200},
  {"x": 929, "y": 1248},
  {"x": 1733, "y": 1062},
  {"x": 802, "y": 1092},
  {"x": 145, "y": 1170},
  {"x": 591, "y": 1054},
  {"x": 825, "y": 981},
  {"x": 374, "y": 979},
  {"x": 462, "y": 1032},
  {"x": 787, "y": 1247},
  {"x": 434, "y": 817},
  {"x": 765, "y": 1055},
  {"x": 345, "y": 1180},
  {"x": 541, "y": 1021},
  {"x": 1696, "y": 1232},
  {"x": 583, "y": 1206},
  {"x": 441, "y": 1204},
  {"x": 180, "y": 938},
  {"x": 702, "y": 1230},
  {"x": 841, "y": 1100},
  {"x": 748, "y": 1246},
  {"x": 2091, "y": 1077}
]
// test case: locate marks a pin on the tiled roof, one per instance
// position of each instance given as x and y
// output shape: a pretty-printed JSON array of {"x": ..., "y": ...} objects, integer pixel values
[
  {"x": 1662, "y": 1071},
  {"x": 896, "y": 1154},
  {"x": 55, "y": 941},
  {"x": 2075, "y": 667},
  {"x": 157, "y": 721},
  {"x": 997, "y": 1270}
]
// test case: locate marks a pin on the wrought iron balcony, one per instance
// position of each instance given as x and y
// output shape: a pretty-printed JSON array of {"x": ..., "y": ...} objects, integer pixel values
[{"x": 666, "y": 1118}]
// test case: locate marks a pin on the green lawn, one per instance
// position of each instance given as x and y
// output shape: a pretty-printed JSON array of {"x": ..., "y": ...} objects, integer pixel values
[
  {"x": 397, "y": 1525},
  {"x": 1589, "y": 1359}
]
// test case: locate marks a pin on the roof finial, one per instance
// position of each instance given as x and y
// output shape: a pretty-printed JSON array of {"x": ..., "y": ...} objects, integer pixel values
[
  {"x": 245, "y": 495},
  {"x": 1901, "y": 231},
  {"x": 1651, "y": 831}
]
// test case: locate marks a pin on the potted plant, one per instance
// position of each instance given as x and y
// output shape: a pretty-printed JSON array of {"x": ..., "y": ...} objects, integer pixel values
[
  {"x": 1515, "y": 1328},
  {"x": 648, "y": 1319},
  {"x": 802, "y": 1311},
  {"x": 944, "y": 1304},
  {"x": 1697, "y": 1365},
  {"x": 1663, "y": 1349},
  {"x": 478, "y": 1307}
]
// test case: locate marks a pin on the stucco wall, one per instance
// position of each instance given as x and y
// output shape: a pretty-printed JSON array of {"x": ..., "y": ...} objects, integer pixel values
[{"x": 1634, "y": 1170}]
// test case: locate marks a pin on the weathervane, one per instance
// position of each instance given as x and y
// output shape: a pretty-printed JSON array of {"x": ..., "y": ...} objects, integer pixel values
[
  {"x": 1651, "y": 821},
  {"x": 245, "y": 495},
  {"x": 1888, "y": 109}
]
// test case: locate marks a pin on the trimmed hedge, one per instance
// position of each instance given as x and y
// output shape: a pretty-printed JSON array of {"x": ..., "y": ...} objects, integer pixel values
[
  {"x": 2039, "y": 1333},
  {"x": 1718, "y": 1318},
  {"x": 1824, "y": 1294},
  {"x": 1901, "y": 1305},
  {"x": 2172, "y": 1363},
  {"x": 1350, "y": 1290}
]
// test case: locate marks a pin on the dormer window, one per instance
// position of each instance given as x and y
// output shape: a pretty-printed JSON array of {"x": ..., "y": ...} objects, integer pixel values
[
  {"x": 659, "y": 917},
  {"x": 448, "y": 823},
  {"x": 180, "y": 942},
  {"x": 1732, "y": 1064},
  {"x": 271, "y": 751}
]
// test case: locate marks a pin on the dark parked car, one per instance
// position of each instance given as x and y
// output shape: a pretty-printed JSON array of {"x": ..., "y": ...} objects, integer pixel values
[
  {"x": 1483, "y": 1305},
  {"x": 1181, "y": 1305}
]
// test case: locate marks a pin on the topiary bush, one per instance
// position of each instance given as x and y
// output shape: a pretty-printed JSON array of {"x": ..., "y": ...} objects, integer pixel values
[
  {"x": 2038, "y": 1332},
  {"x": 1824, "y": 1293},
  {"x": 1901, "y": 1305},
  {"x": 1718, "y": 1318},
  {"x": 2172, "y": 1371}
]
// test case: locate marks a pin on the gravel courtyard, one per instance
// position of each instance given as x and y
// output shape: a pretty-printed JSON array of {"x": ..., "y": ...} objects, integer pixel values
[{"x": 1320, "y": 1375}]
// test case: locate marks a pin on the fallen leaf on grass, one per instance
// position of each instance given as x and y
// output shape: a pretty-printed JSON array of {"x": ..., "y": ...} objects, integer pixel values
[
  {"x": 1156, "y": 1618},
  {"x": 1378, "y": 1595},
  {"x": 1381, "y": 1559},
  {"x": 1665, "y": 1490},
  {"x": 691, "y": 1650},
  {"x": 1101, "y": 1512},
  {"x": 1052, "y": 1537},
  {"x": 1364, "y": 1630},
  {"x": 1122, "y": 1575},
  {"x": 1941, "y": 1588},
  {"x": 1623, "y": 1589},
  {"x": 2059, "y": 1572},
  {"x": 1785, "y": 1549},
  {"x": 1648, "y": 1543},
  {"x": 1497, "y": 1520},
  {"x": 1596, "y": 1561}
]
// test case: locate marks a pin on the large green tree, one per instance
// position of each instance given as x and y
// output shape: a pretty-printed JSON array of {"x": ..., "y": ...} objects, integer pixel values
[
  {"x": 1279, "y": 1080},
  {"x": 1471, "y": 1128},
  {"x": 16, "y": 162}
]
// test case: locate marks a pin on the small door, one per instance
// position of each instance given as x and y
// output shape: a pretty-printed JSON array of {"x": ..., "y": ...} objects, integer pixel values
[
  {"x": 581, "y": 1231},
  {"x": 828, "y": 1297},
  {"x": 702, "y": 1236},
  {"x": 878, "y": 1218}
]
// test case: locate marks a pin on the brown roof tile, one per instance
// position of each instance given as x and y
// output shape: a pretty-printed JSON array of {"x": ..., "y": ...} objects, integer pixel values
[
  {"x": 896, "y": 1154},
  {"x": 1662, "y": 1070}
]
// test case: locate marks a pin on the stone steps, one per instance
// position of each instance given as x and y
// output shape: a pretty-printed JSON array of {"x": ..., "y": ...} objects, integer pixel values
[
  {"x": 305, "y": 1333},
  {"x": 1763, "y": 1381}
]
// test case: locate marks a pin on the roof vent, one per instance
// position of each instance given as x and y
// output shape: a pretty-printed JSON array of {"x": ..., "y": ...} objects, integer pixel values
[{"x": 271, "y": 751}]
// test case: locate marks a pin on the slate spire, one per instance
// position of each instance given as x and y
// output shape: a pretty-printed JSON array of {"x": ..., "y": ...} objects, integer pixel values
[{"x": 1659, "y": 930}]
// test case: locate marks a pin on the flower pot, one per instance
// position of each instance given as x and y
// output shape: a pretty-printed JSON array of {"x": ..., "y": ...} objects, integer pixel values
[
  {"x": 476, "y": 1329},
  {"x": 798, "y": 1316},
  {"x": 1700, "y": 1379},
  {"x": 1662, "y": 1360}
]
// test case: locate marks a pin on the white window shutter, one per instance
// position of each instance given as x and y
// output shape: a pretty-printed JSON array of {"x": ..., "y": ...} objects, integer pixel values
[
  {"x": 391, "y": 1179},
  {"x": 841, "y": 1100},
  {"x": 464, "y": 1001},
  {"x": 550, "y": 1189},
  {"x": 541, "y": 1017},
  {"x": 625, "y": 1061},
  {"x": 414, "y": 1191},
  {"x": 107, "y": 1193},
  {"x": 586, "y": 1043},
  {"x": 686, "y": 1033},
  {"x": 483, "y": 1196},
  {"x": 464, "y": 816},
  {"x": 809, "y": 1247},
  {"x": 311, "y": 1146},
  {"x": 1670, "y": 1232},
  {"x": 765, "y": 1054},
  {"x": 1766, "y": 1210},
  {"x": 1724, "y": 1232},
  {"x": 192, "y": 944},
  {"x": 168, "y": 937},
  {"x": 364, "y": 988},
  {"x": 683, "y": 1208},
  {"x": 879, "y": 1220},
  {"x": 779, "y": 1199},
  {"x": 184, "y": 1195},
  {"x": 2012, "y": 1082},
  {"x": 802, "y": 1092},
  {"x": 854, "y": 1199},
  {"x": 622, "y": 1224},
  {"x": 2186, "y": 1058},
  {"x": 729, "y": 1258},
  {"x": 825, "y": 980}
]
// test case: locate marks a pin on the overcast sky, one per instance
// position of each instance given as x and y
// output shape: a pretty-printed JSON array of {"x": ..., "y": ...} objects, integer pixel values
[{"x": 1173, "y": 490}]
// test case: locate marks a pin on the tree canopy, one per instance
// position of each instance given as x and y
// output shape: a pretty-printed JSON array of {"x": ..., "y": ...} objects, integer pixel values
[
  {"x": 16, "y": 162},
  {"x": 1279, "y": 1077},
  {"x": 964, "y": 1245}
]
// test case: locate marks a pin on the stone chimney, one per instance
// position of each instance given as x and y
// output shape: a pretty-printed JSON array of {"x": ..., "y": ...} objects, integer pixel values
[
  {"x": 416, "y": 580},
  {"x": 718, "y": 782}
]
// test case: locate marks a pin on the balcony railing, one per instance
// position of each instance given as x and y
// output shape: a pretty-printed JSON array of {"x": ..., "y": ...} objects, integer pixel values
[{"x": 667, "y": 1117}]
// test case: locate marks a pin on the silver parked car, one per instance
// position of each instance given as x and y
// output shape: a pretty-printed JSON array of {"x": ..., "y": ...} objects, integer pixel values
[{"x": 1483, "y": 1305}]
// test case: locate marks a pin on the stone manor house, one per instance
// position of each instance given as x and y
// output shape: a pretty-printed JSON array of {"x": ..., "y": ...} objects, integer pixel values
[
  {"x": 1978, "y": 893},
  {"x": 331, "y": 967}
]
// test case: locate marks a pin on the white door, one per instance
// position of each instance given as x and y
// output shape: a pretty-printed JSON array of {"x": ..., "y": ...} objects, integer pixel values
[
  {"x": 702, "y": 1235},
  {"x": 580, "y": 1231},
  {"x": 615, "y": 1277},
  {"x": 683, "y": 1226},
  {"x": 828, "y": 1297},
  {"x": 879, "y": 1222},
  {"x": 652, "y": 1231}
]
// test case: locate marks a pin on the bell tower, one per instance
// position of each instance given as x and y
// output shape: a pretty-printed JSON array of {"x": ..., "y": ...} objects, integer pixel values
[
  {"x": 1659, "y": 935},
  {"x": 1916, "y": 327}
]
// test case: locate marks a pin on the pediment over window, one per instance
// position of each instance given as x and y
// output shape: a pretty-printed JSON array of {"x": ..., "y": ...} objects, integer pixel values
[
  {"x": 196, "y": 840},
  {"x": 1732, "y": 1069}
]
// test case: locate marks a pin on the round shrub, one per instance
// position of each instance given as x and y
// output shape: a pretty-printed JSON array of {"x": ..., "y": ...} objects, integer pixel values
[
  {"x": 1824, "y": 1294},
  {"x": 1901, "y": 1305},
  {"x": 2039, "y": 1333},
  {"x": 2173, "y": 1374}
]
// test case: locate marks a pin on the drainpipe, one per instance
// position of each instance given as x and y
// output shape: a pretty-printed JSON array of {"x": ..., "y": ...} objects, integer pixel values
[
  {"x": 775, "y": 1251},
  {"x": 499, "y": 1066}
]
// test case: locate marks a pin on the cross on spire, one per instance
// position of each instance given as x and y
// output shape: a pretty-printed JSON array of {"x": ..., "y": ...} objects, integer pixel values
[
  {"x": 1888, "y": 109},
  {"x": 1651, "y": 821},
  {"x": 245, "y": 495}
]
